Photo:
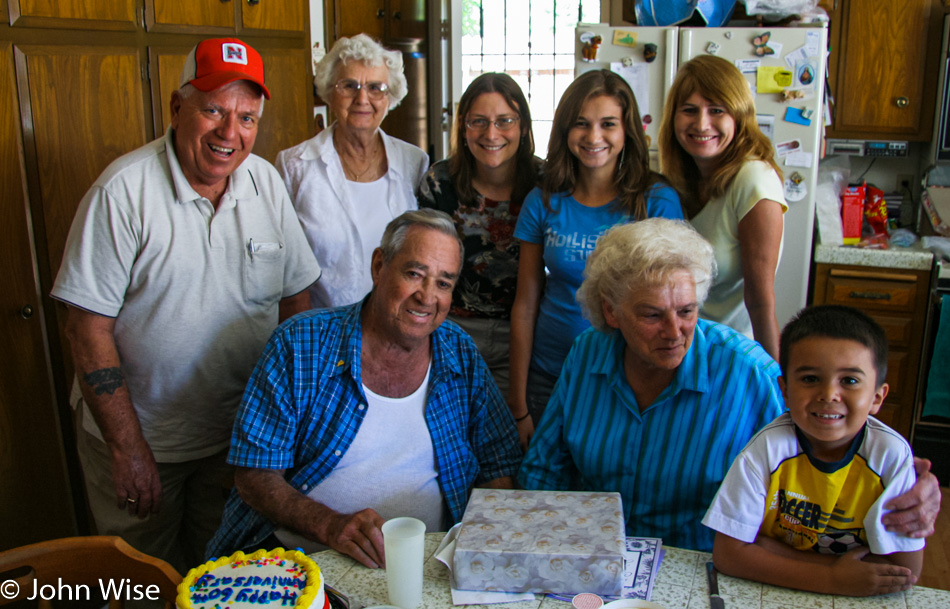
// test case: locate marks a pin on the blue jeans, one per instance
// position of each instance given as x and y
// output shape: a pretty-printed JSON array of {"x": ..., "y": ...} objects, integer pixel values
[{"x": 540, "y": 386}]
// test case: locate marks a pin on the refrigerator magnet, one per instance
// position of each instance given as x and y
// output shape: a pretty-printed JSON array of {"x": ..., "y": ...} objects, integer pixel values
[
  {"x": 805, "y": 72},
  {"x": 623, "y": 38},
  {"x": 760, "y": 45},
  {"x": 783, "y": 148},
  {"x": 797, "y": 116},
  {"x": 591, "y": 44},
  {"x": 772, "y": 79},
  {"x": 649, "y": 52},
  {"x": 792, "y": 94},
  {"x": 795, "y": 188},
  {"x": 713, "y": 48}
]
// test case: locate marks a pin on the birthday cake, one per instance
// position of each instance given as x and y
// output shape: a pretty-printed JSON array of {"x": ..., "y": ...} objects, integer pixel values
[{"x": 278, "y": 578}]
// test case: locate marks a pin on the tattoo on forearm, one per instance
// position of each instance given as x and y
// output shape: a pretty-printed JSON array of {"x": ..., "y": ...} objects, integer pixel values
[{"x": 105, "y": 380}]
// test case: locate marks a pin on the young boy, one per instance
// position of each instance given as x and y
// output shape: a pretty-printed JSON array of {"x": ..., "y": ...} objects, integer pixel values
[{"x": 802, "y": 503}]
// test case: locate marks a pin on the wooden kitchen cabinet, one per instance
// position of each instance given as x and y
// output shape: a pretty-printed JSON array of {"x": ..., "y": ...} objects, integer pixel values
[
  {"x": 73, "y": 14},
  {"x": 380, "y": 19},
  {"x": 235, "y": 17},
  {"x": 897, "y": 299},
  {"x": 84, "y": 82},
  {"x": 882, "y": 66}
]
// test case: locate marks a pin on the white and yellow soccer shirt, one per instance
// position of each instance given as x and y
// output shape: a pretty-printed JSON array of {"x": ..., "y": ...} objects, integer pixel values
[{"x": 776, "y": 488}]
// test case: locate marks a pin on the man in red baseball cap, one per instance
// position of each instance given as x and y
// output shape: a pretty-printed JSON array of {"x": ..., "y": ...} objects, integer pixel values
[{"x": 181, "y": 259}]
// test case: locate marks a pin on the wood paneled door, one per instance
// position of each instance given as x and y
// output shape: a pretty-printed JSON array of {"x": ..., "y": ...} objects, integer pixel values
[
  {"x": 84, "y": 82},
  {"x": 35, "y": 494}
]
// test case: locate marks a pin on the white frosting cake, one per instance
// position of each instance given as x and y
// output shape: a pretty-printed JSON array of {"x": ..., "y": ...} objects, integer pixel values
[{"x": 278, "y": 578}]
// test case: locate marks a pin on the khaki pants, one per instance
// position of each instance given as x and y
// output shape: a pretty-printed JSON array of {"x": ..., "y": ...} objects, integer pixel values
[
  {"x": 193, "y": 496},
  {"x": 491, "y": 336}
]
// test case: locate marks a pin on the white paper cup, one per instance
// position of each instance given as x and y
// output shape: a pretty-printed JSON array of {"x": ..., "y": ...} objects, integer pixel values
[{"x": 404, "y": 540}]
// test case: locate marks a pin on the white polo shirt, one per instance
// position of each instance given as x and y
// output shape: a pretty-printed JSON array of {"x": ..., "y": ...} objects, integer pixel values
[{"x": 194, "y": 290}]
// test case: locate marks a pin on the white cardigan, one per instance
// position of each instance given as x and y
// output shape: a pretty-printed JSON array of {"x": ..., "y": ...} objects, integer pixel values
[{"x": 314, "y": 177}]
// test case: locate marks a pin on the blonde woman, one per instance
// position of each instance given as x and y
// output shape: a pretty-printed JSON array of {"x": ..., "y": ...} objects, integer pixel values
[{"x": 713, "y": 153}]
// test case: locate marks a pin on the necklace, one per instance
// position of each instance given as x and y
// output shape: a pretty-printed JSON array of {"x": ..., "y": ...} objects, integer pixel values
[{"x": 370, "y": 164}]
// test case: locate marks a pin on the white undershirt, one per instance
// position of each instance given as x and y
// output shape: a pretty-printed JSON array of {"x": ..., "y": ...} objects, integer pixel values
[
  {"x": 368, "y": 203},
  {"x": 390, "y": 467}
]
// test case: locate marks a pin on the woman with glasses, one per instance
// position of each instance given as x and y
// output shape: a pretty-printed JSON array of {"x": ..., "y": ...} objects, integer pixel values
[
  {"x": 490, "y": 170},
  {"x": 350, "y": 180},
  {"x": 597, "y": 174}
]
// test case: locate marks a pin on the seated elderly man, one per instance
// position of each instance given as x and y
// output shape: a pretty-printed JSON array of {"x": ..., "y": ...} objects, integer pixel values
[
  {"x": 361, "y": 413},
  {"x": 658, "y": 409}
]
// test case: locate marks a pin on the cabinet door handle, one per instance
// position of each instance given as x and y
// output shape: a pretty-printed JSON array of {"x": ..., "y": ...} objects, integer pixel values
[
  {"x": 253, "y": 2},
  {"x": 902, "y": 102},
  {"x": 397, "y": 15},
  {"x": 381, "y": 13},
  {"x": 26, "y": 312},
  {"x": 870, "y": 295}
]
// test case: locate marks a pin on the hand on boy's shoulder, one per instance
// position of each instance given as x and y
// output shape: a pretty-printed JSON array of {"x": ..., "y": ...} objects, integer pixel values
[
  {"x": 914, "y": 513},
  {"x": 853, "y": 576}
]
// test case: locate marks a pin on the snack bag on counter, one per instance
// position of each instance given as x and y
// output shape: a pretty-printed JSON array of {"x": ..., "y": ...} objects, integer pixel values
[
  {"x": 875, "y": 210},
  {"x": 852, "y": 212}
]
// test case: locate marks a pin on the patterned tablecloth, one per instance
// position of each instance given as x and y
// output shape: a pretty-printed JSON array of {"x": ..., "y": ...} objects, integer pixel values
[{"x": 680, "y": 584}]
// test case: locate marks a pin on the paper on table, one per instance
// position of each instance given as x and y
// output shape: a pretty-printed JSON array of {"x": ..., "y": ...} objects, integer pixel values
[
  {"x": 642, "y": 558},
  {"x": 472, "y": 597}
]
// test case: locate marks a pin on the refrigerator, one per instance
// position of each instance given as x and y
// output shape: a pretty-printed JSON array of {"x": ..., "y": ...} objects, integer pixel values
[{"x": 785, "y": 68}]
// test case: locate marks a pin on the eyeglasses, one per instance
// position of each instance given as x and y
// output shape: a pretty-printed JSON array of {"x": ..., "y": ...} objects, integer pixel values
[
  {"x": 502, "y": 124},
  {"x": 351, "y": 88}
]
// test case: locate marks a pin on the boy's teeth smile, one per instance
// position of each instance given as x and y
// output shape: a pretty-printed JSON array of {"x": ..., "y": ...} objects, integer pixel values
[{"x": 829, "y": 416}]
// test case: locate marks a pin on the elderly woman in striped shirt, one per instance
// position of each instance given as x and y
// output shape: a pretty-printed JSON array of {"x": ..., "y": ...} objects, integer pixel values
[{"x": 655, "y": 403}]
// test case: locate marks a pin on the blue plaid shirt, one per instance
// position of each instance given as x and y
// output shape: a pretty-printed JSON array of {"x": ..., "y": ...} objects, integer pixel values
[
  {"x": 303, "y": 407},
  {"x": 668, "y": 461}
]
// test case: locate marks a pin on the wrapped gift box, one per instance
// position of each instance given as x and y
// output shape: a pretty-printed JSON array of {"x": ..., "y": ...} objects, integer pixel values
[{"x": 541, "y": 541}]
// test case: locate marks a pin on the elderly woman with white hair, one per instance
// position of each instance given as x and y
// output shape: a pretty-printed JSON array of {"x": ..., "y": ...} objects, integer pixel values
[
  {"x": 350, "y": 180},
  {"x": 652, "y": 402}
]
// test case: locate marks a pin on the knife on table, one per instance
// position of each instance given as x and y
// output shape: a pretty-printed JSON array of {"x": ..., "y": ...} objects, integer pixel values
[{"x": 715, "y": 601}]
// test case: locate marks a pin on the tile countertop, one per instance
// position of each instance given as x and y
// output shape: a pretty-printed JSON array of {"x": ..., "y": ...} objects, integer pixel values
[
  {"x": 914, "y": 257},
  {"x": 680, "y": 584}
]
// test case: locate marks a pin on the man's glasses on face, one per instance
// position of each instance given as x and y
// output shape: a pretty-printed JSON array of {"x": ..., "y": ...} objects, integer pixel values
[
  {"x": 502, "y": 124},
  {"x": 351, "y": 88}
]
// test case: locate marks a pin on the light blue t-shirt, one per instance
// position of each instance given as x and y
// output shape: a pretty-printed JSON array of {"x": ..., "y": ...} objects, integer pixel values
[{"x": 569, "y": 233}]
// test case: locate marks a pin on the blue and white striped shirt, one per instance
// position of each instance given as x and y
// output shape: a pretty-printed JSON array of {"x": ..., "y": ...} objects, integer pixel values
[
  {"x": 304, "y": 404},
  {"x": 668, "y": 461}
]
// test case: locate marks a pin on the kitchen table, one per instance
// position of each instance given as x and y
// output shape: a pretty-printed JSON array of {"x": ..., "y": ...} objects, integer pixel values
[{"x": 680, "y": 584}]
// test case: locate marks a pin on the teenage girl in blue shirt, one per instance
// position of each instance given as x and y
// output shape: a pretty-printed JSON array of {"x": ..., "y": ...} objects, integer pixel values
[{"x": 597, "y": 174}]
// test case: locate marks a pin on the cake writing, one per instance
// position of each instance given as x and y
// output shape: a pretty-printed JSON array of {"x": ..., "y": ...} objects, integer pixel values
[{"x": 211, "y": 588}]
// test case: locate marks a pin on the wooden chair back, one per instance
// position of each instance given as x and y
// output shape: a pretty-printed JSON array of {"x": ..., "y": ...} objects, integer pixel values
[{"x": 81, "y": 567}]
